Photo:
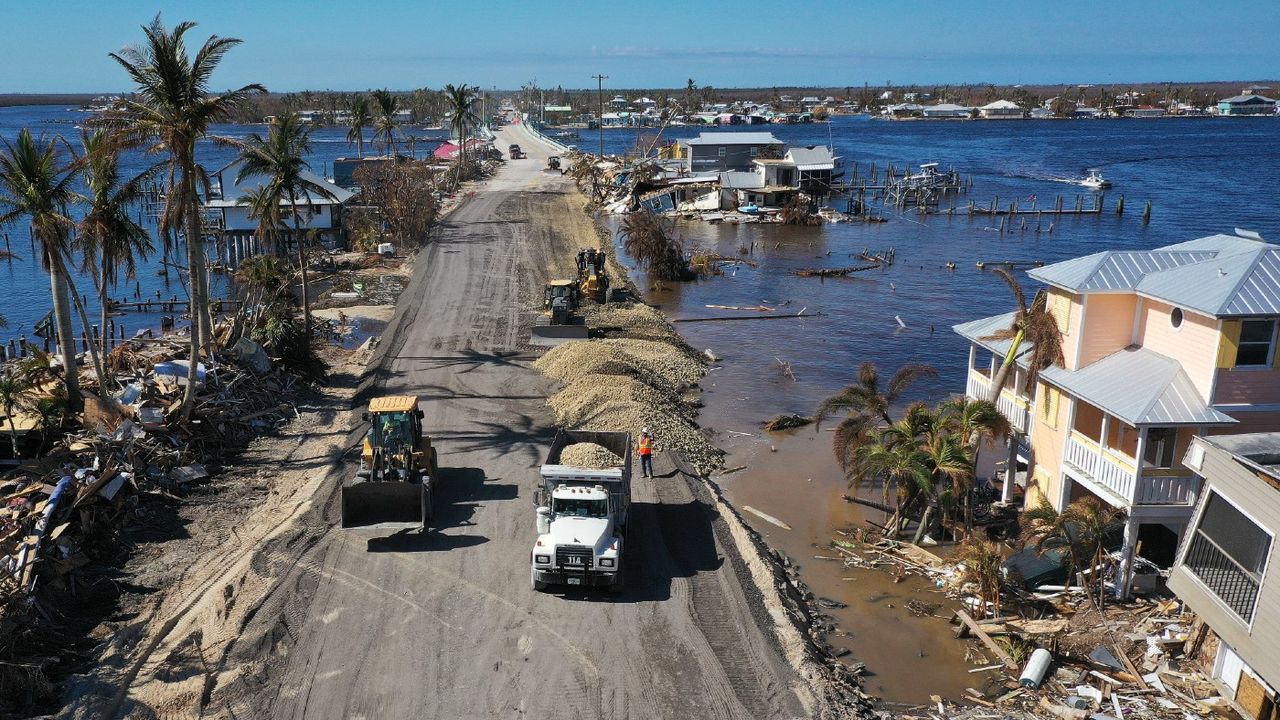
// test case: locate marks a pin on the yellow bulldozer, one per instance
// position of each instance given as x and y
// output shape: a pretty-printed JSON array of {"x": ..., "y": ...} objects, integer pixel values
[
  {"x": 560, "y": 321},
  {"x": 397, "y": 479}
]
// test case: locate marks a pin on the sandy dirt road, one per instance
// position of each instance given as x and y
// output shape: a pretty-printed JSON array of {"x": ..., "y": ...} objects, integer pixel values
[{"x": 370, "y": 624}]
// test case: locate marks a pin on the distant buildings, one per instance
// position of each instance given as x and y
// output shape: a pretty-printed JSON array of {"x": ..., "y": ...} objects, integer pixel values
[
  {"x": 946, "y": 110},
  {"x": 1247, "y": 105}
]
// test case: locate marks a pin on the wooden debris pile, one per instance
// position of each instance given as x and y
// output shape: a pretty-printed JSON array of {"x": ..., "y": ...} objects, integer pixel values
[{"x": 68, "y": 510}]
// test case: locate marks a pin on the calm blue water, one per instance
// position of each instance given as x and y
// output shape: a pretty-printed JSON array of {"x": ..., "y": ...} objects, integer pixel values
[
  {"x": 26, "y": 286},
  {"x": 1203, "y": 176}
]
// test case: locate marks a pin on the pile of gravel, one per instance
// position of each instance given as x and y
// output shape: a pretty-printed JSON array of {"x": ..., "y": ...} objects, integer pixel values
[
  {"x": 589, "y": 455},
  {"x": 653, "y": 362},
  {"x": 634, "y": 320},
  {"x": 598, "y": 402}
]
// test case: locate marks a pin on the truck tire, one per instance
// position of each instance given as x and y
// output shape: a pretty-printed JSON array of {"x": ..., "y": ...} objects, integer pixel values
[
  {"x": 537, "y": 584},
  {"x": 619, "y": 583},
  {"x": 428, "y": 501}
]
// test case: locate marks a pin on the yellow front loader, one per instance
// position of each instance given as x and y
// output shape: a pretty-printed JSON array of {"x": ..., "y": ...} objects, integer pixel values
[{"x": 397, "y": 478}]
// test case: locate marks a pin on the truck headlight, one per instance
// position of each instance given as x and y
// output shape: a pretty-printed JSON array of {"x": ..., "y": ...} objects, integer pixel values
[
  {"x": 542, "y": 559},
  {"x": 606, "y": 562}
]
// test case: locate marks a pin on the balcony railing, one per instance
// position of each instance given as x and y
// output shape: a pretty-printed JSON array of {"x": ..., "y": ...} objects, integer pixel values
[
  {"x": 1016, "y": 409},
  {"x": 1123, "y": 480},
  {"x": 1234, "y": 585}
]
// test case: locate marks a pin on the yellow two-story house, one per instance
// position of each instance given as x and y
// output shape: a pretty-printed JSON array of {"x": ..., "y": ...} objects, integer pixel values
[{"x": 1159, "y": 345}]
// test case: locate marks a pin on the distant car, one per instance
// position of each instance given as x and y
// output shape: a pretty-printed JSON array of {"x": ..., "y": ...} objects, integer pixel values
[{"x": 573, "y": 148}]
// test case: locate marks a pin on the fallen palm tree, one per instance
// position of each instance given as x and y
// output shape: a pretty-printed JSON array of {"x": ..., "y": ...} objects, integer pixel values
[{"x": 835, "y": 272}]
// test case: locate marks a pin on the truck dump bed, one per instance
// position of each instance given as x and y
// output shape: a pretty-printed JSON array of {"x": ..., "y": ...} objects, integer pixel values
[{"x": 616, "y": 480}]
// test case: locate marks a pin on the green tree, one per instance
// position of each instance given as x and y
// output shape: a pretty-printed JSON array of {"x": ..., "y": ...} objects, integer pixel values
[
  {"x": 361, "y": 118},
  {"x": 280, "y": 157},
  {"x": 35, "y": 185},
  {"x": 865, "y": 405},
  {"x": 460, "y": 99},
  {"x": 384, "y": 125},
  {"x": 977, "y": 423},
  {"x": 15, "y": 389},
  {"x": 171, "y": 109},
  {"x": 110, "y": 241}
]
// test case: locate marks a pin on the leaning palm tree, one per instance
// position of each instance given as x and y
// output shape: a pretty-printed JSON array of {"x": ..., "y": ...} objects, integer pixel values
[
  {"x": 280, "y": 158},
  {"x": 460, "y": 98},
  {"x": 952, "y": 470},
  {"x": 1032, "y": 324},
  {"x": 1091, "y": 522},
  {"x": 36, "y": 186},
  {"x": 109, "y": 239},
  {"x": 384, "y": 125},
  {"x": 171, "y": 110},
  {"x": 893, "y": 465},
  {"x": 361, "y": 118}
]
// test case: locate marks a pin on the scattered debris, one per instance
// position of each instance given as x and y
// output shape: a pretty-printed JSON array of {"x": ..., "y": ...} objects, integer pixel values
[{"x": 786, "y": 422}]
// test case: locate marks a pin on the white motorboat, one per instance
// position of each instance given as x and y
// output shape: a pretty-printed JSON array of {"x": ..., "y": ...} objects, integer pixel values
[{"x": 1095, "y": 181}]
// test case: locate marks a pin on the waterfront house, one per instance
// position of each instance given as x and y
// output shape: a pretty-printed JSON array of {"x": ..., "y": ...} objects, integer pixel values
[
  {"x": 903, "y": 110},
  {"x": 809, "y": 102},
  {"x": 1247, "y": 105},
  {"x": 772, "y": 182},
  {"x": 645, "y": 103},
  {"x": 226, "y": 213},
  {"x": 618, "y": 103},
  {"x": 946, "y": 110},
  {"x": 721, "y": 151},
  {"x": 1040, "y": 113},
  {"x": 1000, "y": 110},
  {"x": 1159, "y": 346},
  {"x": 1146, "y": 111},
  {"x": 1227, "y": 566}
]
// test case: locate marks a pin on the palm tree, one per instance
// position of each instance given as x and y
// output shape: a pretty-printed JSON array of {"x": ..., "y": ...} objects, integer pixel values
[
  {"x": 172, "y": 109},
  {"x": 977, "y": 422},
  {"x": 360, "y": 119},
  {"x": 109, "y": 239},
  {"x": 384, "y": 126},
  {"x": 866, "y": 406},
  {"x": 280, "y": 157},
  {"x": 460, "y": 98},
  {"x": 983, "y": 564},
  {"x": 14, "y": 390},
  {"x": 951, "y": 468},
  {"x": 1033, "y": 324},
  {"x": 1091, "y": 522},
  {"x": 884, "y": 459},
  {"x": 35, "y": 185}
]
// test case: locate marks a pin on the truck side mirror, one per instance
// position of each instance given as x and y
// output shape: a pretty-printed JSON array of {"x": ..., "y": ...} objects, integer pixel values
[{"x": 421, "y": 414}]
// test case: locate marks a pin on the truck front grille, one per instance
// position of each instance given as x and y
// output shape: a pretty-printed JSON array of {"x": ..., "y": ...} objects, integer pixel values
[{"x": 574, "y": 557}]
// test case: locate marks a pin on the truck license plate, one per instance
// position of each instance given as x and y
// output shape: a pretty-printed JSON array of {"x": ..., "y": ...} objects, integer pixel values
[{"x": 575, "y": 581}]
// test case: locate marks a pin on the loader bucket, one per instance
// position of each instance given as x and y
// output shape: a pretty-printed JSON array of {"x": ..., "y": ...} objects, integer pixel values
[
  {"x": 556, "y": 334},
  {"x": 381, "y": 503}
]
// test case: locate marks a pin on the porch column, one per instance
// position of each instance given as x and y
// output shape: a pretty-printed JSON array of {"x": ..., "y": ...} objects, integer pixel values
[
  {"x": 973, "y": 357},
  {"x": 1126, "y": 557},
  {"x": 1102, "y": 434},
  {"x": 1011, "y": 469}
]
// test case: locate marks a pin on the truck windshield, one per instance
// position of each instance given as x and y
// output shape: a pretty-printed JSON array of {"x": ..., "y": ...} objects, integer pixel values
[
  {"x": 392, "y": 430},
  {"x": 577, "y": 507}
]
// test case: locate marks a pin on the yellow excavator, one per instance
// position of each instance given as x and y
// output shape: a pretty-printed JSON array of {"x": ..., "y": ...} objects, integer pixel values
[
  {"x": 593, "y": 282},
  {"x": 397, "y": 478}
]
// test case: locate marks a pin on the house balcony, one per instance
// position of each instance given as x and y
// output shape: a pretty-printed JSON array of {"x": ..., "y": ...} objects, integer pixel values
[
  {"x": 1116, "y": 475},
  {"x": 1012, "y": 405}
]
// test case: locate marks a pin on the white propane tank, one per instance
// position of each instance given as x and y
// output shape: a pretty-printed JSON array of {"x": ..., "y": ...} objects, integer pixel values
[
  {"x": 544, "y": 520},
  {"x": 1037, "y": 666}
]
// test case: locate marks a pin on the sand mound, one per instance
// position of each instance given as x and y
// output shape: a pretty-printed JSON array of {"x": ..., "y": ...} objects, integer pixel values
[
  {"x": 589, "y": 455},
  {"x": 596, "y": 402},
  {"x": 633, "y": 320},
  {"x": 651, "y": 361}
]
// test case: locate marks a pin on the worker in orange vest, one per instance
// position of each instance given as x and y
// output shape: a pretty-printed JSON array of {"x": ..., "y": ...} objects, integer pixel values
[{"x": 646, "y": 453}]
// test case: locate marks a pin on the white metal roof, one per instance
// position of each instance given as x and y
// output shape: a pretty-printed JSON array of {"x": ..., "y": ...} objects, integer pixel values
[
  {"x": 977, "y": 331},
  {"x": 1139, "y": 386},
  {"x": 812, "y": 158},
  {"x": 1218, "y": 275},
  {"x": 1001, "y": 105}
]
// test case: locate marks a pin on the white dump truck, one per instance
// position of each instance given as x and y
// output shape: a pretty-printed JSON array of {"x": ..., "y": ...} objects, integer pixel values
[{"x": 582, "y": 516}]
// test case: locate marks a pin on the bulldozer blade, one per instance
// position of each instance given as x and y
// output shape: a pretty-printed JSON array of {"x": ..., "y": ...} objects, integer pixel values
[
  {"x": 556, "y": 334},
  {"x": 384, "y": 503}
]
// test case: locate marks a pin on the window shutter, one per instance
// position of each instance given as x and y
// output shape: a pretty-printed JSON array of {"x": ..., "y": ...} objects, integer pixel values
[
  {"x": 1230, "y": 338},
  {"x": 1060, "y": 308}
]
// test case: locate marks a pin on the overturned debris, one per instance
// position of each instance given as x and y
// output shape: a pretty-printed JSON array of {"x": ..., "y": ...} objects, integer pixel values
[{"x": 786, "y": 422}]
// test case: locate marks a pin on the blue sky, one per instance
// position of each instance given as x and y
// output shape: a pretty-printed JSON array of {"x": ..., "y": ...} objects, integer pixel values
[{"x": 62, "y": 45}]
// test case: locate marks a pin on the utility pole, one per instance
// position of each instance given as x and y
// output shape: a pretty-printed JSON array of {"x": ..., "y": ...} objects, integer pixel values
[{"x": 600, "y": 97}]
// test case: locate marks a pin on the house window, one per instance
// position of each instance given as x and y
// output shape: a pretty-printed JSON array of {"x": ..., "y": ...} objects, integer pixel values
[
  {"x": 754, "y": 151},
  {"x": 1161, "y": 442},
  {"x": 1228, "y": 554},
  {"x": 1257, "y": 338},
  {"x": 1175, "y": 318},
  {"x": 724, "y": 151}
]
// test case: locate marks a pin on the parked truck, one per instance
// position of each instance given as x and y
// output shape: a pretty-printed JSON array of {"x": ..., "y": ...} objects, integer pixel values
[{"x": 582, "y": 516}]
